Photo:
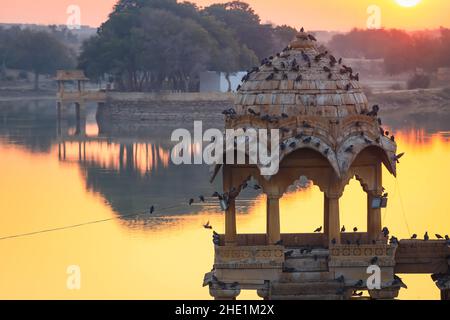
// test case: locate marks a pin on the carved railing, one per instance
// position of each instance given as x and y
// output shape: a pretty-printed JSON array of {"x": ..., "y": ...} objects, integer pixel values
[{"x": 249, "y": 257}]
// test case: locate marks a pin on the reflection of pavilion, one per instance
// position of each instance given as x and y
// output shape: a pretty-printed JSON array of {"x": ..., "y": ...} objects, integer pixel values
[{"x": 330, "y": 136}]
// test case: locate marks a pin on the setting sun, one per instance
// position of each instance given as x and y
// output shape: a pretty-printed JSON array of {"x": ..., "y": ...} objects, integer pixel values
[{"x": 408, "y": 3}]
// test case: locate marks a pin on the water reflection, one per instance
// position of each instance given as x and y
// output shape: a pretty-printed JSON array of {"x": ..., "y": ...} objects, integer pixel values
[{"x": 50, "y": 179}]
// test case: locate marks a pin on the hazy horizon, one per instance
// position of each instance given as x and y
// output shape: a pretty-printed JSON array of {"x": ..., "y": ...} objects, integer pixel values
[{"x": 318, "y": 15}]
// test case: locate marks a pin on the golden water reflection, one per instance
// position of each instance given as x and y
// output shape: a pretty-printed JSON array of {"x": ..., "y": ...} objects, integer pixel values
[{"x": 168, "y": 262}]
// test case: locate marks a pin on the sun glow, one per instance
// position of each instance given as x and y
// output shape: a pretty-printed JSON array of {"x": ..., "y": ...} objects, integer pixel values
[{"x": 408, "y": 3}]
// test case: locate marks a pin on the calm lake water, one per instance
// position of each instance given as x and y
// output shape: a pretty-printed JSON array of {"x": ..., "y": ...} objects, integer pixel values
[{"x": 50, "y": 182}]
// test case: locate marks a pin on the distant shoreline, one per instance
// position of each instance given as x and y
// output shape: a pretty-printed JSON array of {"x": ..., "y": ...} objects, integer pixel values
[{"x": 436, "y": 100}]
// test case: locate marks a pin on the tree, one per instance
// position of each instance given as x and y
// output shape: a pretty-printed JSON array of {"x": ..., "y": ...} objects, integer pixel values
[
  {"x": 40, "y": 53},
  {"x": 246, "y": 25},
  {"x": 151, "y": 44}
]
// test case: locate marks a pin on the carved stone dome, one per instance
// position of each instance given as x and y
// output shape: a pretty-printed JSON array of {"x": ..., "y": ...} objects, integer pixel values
[{"x": 316, "y": 101}]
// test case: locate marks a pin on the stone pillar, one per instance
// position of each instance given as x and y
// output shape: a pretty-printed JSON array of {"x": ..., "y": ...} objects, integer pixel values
[
  {"x": 230, "y": 223},
  {"x": 80, "y": 119},
  {"x": 273, "y": 218},
  {"x": 326, "y": 221},
  {"x": 230, "y": 213},
  {"x": 61, "y": 88},
  {"x": 443, "y": 283},
  {"x": 374, "y": 215},
  {"x": 334, "y": 225},
  {"x": 373, "y": 218}
]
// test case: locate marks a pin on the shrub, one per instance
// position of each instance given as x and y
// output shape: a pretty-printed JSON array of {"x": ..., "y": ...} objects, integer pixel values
[{"x": 419, "y": 81}]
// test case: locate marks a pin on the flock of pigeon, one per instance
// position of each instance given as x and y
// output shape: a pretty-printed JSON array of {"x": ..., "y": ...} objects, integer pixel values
[{"x": 294, "y": 66}]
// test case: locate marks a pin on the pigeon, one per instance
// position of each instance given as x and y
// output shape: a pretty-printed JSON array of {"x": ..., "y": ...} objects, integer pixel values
[
  {"x": 279, "y": 243},
  {"x": 306, "y": 251},
  {"x": 191, "y": 201},
  {"x": 398, "y": 157},
  {"x": 414, "y": 236},
  {"x": 360, "y": 283},
  {"x": 270, "y": 77},
  {"x": 426, "y": 237},
  {"x": 207, "y": 226},
  {"x": 374, "y": 260},
  {"x": 340, "y": 279},
  {"x": 333, "y": 242},
  {"x": 311, "y": 37},
  {"x": 202, "y": 198},
  {"x": 253, "y": 112},
  {"x": 343, "y": 229},
  {"x": 306, "y": 125},
  {"x": 299, "y": 78},
  {"x": 340, "y": 291},
  {"x": 257, "y": 187},
  {"x": 385, "y": 232},
  {"x": 307, "y": 140},
  {"x": 289, "y": 253},
  {"x": 216, "y": 195},
  {"x": 284, "y": 115},
  {"x": 438, "y": 236},
  {"x": 318, "y": 230},
  {"x": 349, "y": 149},
  {"x": 446, "y": 237},
  {"x": 152, "y": 209},
  {"x": 357, "y": 294},
  {"x": 358, "y": 242},
  {"x": 399, "y": 282},
  {"x": 394, "y": 241},
  {"x": 355, "y": 229}
]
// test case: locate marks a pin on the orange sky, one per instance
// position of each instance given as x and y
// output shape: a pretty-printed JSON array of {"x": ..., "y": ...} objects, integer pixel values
[{"x": 313, "y": 14}]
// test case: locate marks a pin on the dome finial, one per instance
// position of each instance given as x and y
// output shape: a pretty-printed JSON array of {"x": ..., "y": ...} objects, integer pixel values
[{"x": 303, "y": 40}]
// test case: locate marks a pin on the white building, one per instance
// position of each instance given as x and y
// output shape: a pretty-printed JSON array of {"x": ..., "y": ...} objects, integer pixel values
[{"x": 215, "y": 81}]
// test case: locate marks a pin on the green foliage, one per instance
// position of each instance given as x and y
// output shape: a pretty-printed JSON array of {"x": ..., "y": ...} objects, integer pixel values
[
  {"x": 149, "y": 45},
  {"x": 34, "y": 51},
  {"x": 419, "y": 81}
]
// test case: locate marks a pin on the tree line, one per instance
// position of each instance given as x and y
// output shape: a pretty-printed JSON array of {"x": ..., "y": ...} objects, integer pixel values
[
  {"x": 152, "y": 45},
  {"x": 400, "y": 50},
  {"x": 39, "y": 52}
]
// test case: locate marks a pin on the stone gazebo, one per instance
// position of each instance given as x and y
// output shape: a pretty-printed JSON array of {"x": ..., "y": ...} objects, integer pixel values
[{"x": 329, "y": 135}]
